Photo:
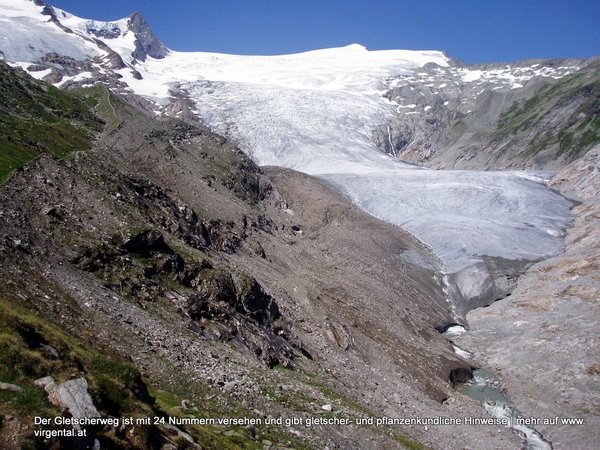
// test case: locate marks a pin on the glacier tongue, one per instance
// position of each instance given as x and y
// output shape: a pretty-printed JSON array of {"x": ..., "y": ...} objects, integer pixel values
[
  {"x": 465, "y": 215},
  {"x": 486, "y": 227}
]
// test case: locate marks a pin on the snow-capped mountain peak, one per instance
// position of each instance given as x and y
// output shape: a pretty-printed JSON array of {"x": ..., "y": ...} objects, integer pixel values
[{"x": 32, "y": 29}]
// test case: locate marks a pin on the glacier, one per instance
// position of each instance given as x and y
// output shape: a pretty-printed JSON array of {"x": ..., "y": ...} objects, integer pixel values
[
  {"x": 320, "y": 120},
  {"x": 315, "y": 112}
]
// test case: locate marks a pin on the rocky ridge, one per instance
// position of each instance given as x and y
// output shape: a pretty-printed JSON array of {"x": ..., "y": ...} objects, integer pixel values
[{"x": 539, "y": 114}]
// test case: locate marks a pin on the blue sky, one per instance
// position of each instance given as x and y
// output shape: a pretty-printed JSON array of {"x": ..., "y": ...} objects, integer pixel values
[{"x": 473, "y": 31}]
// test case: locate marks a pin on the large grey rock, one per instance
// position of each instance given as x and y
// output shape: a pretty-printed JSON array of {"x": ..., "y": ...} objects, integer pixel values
[
  {"x": 146, "y": 43},
  {"x": 10, "y": 387},
  {"x": 71, "y": 396},
  {"x": 338, "y": 334}
]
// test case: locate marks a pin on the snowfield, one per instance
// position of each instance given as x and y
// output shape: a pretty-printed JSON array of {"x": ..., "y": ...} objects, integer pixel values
[
  {"x": 27, "y": 36},
  {"x": 315, "y": 112}
]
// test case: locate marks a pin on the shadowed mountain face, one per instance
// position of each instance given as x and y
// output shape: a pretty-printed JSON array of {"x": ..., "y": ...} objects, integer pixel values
[{"x": 146, "y": 43}]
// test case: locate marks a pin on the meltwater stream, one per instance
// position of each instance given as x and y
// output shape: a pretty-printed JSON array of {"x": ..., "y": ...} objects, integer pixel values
[{"x": 486, "y": 388}]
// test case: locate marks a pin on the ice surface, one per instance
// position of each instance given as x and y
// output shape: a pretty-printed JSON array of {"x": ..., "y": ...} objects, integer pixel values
[
  {"x": 461, "y": 215},
  {"x": 307, "y": 130},
  {"x": 464, "y": 215},
  {"x": 454, "y": 330},
  {"x": 462, "y": 353}
]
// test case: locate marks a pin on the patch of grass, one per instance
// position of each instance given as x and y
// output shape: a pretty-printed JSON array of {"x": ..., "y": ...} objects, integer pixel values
[
  {"x": 211, "y": 403},
  {"x": 102, "y": 101},
  {"x": 565, "y": 140},
  {"x": 167, "y": 400},
  {"x": 206, "y": 436},
  {"x": 115, "y": 384},
  {"x": 570, "y": 135},
  {"x": 31, "y": 400},
  {"x": 37, "y": 118},
  {"x": 592, "y": 135},
  {"x": 299, "y": 401},
  {"x": 409, "y": 443}
]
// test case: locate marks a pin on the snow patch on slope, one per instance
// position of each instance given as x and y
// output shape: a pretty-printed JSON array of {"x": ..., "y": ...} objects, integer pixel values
[
  {"x": 27, "y": 35},
  {"x": 115, "y": 34}
]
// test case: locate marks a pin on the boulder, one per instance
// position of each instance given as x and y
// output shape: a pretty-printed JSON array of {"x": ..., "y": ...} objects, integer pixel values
[
  {"x": 338, "y": 334},
  {"x": 10, "y": 387},
  {"x": 71, "y": 396}
]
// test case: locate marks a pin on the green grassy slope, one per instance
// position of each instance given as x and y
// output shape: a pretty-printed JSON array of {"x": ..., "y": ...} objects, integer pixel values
[
  {"x": 564, "y": 116},
  {"x": 37, "y": 118}
]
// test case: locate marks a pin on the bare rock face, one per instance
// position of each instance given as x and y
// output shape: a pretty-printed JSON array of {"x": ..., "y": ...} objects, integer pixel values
[
  {"x": 146, "y": 43},
  {"x": 255, "y": 302},
  {"x": 581, "y": 179},
  {"x": 71, "y": 396},
  {"x": 542, "y": 339},
  {"x": 534, "y": 114}
]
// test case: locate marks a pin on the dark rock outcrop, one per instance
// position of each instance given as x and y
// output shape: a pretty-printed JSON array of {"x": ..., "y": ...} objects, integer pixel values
[
  {"x": 460, "y": 375},
  {"x": 147, "y": 242},
  {"x": 146, "y": 43}
]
